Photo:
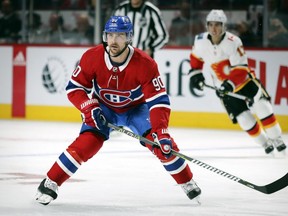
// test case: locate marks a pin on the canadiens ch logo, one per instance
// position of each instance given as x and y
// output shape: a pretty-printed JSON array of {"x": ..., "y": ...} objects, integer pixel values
[{"x": 115, "y": 98}]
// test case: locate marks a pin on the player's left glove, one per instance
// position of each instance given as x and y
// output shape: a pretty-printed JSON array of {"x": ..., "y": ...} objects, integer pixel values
[
  {"x": 162, "y": 137},
  {"x": 226, "y": 86}
]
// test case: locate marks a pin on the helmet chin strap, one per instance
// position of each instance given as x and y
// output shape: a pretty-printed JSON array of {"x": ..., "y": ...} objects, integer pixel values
[{"x": 108, "y": 52}]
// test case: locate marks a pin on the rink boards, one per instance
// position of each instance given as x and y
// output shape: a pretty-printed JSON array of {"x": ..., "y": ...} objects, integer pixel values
[{"x": 33, "y": 81}]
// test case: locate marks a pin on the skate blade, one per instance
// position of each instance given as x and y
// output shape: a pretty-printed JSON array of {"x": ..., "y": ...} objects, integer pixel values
[
  {"x": 43, "y": 199},
  {"x": 197, "y": 199},
  {"x": 272, "y": 154}
]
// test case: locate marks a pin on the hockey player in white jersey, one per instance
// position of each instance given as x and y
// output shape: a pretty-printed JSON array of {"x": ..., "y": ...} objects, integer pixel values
[{"x": 220, "y": 54}]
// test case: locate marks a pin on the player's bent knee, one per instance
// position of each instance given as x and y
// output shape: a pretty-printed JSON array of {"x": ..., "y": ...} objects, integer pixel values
[
  {"x": 246, "y": 120},
  {"x": 85, "y": 146}
]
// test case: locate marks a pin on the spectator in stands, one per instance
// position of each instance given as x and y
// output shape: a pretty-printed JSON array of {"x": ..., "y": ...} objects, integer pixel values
[
  {"x": 34, "y": 28},
  {"x": 84, "y": 32},
  {"x": 277, "y": 33},
  {"x": 10, "y": 23},
  {"x": 185, "y": 26},
  {"x": 248, "y": 37},
  {"x": 56, "y": 33},
  {"x": 276, "y": 9},
  {"x": 278, "y": 24}
]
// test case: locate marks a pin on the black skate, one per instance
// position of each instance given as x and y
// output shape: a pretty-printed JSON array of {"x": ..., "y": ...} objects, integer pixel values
[
  {"x": 268, "y": 147},
  {"x": 279, "y": 144},
  {"x": 47, "y": 191},
  {"x": 191, "y": 189}
]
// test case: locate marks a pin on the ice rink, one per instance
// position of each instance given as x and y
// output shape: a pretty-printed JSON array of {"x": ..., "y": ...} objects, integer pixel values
[{"x": 125, "y": 179}]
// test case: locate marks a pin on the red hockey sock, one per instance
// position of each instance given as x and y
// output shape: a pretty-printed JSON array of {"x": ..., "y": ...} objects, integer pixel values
[
  {"x": 82, "y": 149},
  {"x": 184, "y": 176}
]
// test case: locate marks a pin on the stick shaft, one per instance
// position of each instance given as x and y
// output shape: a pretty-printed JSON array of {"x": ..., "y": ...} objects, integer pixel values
[
  {"x": 267, "y": 189},
  {"x": 231, "y": 94}
]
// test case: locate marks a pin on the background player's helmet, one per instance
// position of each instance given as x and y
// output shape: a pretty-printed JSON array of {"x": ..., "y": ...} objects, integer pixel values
[
  {"x": 119, "y": 24},
  {"x": 217, "y": 16}
]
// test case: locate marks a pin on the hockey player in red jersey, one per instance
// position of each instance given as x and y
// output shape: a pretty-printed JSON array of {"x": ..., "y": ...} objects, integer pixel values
[
  {"x": 121, "y": 84},
  {"x": 221, "y": 55}
]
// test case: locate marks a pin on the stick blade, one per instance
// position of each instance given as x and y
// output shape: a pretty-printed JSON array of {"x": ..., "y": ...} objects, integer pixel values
[
  {"x": 272, "y": 187},
  {"x": 277, "y": 185}
]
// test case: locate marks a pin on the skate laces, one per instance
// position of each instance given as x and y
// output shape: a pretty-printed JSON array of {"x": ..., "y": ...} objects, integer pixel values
[
  {"x": 189, "y": 186},
  {"x": 51, "y": 185},
  {"x": 277, "y": 142},
  {"x": 268, "y": 143}
]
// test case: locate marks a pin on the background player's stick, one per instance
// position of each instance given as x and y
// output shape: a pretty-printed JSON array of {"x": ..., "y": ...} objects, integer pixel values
[
  {"x": 267, "y": 189},
  {"x": 231, "y": 94}
]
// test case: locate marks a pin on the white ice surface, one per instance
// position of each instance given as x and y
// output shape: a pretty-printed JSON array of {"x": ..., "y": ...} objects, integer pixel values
[{"x": 125, "y": 179}]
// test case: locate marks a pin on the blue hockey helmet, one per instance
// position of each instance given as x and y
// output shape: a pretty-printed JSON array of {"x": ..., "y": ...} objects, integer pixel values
[{"x": 119, "y": 24}]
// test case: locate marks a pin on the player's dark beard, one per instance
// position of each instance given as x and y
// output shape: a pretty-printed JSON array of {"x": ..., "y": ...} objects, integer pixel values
[{"x": 108, "y": 52}]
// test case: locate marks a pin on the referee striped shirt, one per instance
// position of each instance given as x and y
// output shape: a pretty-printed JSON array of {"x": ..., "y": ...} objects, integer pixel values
[{"x": 149, "y": 29}]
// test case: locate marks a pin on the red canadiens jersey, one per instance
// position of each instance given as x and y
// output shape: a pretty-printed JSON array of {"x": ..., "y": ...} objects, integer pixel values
[
  {"x": 119, "y": 88},
  {"x": 226, "y": 60}
]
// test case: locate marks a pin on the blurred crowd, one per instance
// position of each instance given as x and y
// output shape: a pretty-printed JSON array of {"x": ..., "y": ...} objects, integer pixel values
[{"x": 73, "y": 21}]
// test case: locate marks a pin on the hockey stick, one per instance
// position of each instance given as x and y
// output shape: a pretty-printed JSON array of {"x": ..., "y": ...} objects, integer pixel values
[
  {"x": 231, "y": 94},
  {"x": 267, "y": 189}
]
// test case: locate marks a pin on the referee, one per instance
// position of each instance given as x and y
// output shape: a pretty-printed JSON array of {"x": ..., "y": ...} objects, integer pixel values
[{"x": 150, "y": 33}]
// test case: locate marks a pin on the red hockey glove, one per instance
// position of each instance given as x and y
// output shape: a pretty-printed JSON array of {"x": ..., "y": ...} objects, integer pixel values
[
  {"x": 92, "y": 114},
  {"x": 162, "y": 137}
]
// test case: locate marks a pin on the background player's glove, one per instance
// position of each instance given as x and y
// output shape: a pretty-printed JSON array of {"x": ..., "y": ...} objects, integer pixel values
[
  {"x": 226, "y": 86},
  {"x": 163, "y": 138},
  {"x": 196, "y": 80},
  {"x": 92, "y": 114}
]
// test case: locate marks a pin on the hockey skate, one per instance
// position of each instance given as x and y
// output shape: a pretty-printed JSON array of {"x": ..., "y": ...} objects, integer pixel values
[
  {"x": 192, "y": 190},
  {"x": 47, "y": 191},
  {"x": 279, "y": 144},
  {"x": 268, "y": 147}
]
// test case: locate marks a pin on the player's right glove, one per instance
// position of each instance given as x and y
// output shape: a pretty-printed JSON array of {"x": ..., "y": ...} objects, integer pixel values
[
  {"x": 92, "y": 114},
  {"x": 226, "y": 86},
  {"x": 163, "y": 150},
  {"x": 196, "y": 80}
]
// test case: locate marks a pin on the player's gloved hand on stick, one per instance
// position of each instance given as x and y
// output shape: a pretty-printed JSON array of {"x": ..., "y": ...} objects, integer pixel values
[
  {"x": 92, "y": 114},
  {"x": 162, "y": 137},
  {"x": 196, "y": 80},
  {"x": 226, "y": 86}
]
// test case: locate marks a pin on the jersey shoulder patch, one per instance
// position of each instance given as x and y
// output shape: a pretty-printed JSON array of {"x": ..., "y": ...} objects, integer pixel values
[
  {"x": 200, "y": 36},
  {"x": 232, "y": 37}
]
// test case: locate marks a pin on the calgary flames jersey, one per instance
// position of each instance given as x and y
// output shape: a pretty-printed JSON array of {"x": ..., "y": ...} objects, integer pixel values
[{"x": 226, "y": 60}]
